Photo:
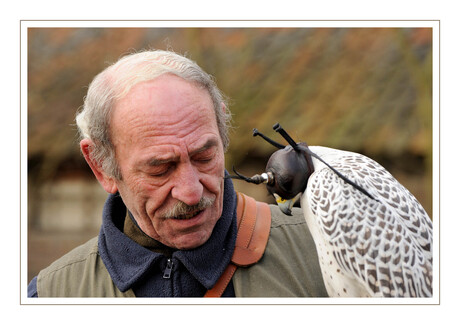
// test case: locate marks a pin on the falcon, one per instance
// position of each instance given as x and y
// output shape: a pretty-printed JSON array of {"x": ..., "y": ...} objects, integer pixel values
[{"x": 372, "y": 236}]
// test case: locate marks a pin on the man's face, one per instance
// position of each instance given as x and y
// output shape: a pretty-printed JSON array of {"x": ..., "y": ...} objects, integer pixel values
[{"x": 169, "y": 151}]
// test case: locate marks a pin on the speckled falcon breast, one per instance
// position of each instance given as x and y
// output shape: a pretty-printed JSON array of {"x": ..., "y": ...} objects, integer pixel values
[{"x": 367, "y": 247}]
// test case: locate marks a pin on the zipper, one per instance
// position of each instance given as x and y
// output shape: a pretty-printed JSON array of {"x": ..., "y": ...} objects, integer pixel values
[{"x": 168, "y": 270}]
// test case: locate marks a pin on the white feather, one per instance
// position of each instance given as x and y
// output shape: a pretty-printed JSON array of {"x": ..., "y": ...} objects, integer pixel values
[{"x": 367, "y": 247}]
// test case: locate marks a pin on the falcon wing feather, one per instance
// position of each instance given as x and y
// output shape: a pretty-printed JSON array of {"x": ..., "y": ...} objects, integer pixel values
[{"x": 385, "y": 245}]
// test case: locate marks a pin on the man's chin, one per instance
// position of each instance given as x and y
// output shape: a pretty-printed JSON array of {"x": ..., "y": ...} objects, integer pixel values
[
  {"x": 193, "y": 232},
  {"x": 191, "y": 241}
]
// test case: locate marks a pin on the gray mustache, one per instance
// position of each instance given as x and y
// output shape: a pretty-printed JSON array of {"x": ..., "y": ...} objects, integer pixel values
[{"x": 181, "y": 208}]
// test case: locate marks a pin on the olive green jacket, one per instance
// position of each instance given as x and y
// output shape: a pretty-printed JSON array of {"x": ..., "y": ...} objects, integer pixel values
[{"x": 289, "y": 268}]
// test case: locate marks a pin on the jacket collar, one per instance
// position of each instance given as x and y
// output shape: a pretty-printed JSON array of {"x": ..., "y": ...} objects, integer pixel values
[{"x": 127, "y": 261}]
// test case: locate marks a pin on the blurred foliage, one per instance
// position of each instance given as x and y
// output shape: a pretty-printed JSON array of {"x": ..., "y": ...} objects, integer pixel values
[{"x": 361, "y": 89}]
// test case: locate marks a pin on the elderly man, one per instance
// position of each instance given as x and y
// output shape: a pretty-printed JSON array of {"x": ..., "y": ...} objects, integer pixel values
[{"x": 154, "y": 132}]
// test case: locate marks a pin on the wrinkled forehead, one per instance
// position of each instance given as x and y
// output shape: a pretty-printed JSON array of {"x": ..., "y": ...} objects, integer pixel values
[
  {"x": 164, "y": 95},
  {"x": 167, "y": 105}
]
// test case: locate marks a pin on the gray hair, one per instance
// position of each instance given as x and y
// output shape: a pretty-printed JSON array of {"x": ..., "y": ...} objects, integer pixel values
[{"x": 114, "y": 83}]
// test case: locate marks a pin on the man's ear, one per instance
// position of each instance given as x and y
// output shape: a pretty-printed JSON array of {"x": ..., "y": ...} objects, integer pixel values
[
  {"x": 107, "y": 182},
  {"x": 223, "y": 107}
]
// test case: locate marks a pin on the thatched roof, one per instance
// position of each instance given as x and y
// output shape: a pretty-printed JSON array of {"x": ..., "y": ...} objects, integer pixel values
[{"x": 366, "y": 90}]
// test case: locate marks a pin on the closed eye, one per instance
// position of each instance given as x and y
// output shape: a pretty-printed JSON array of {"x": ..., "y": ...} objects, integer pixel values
[
  {"x": 205, "y": 156},
  {"x": 203, "y": 159},
  {"x": 160, "y": 170}
]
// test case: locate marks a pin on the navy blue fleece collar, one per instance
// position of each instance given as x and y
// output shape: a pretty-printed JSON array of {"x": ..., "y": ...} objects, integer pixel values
[{"x": 127, "y": 261}]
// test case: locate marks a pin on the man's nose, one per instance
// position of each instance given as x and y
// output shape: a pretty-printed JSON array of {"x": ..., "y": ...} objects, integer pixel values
[{"x": 187, "y": 187}]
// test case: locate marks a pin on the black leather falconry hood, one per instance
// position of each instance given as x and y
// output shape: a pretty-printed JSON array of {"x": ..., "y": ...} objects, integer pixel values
[{"x": 289, "y": 168}]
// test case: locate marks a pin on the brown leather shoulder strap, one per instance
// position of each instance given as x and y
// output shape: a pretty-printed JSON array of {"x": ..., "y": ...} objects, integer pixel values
[
  {"x": 253, "y": 231},
  {"x": 254, "y": 220}
]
